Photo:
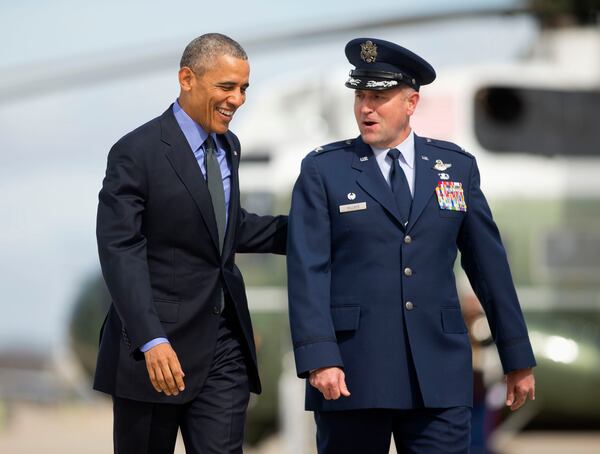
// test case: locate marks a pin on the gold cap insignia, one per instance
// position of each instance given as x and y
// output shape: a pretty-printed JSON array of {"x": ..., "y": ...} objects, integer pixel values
[{"x": 368, "y": 51}]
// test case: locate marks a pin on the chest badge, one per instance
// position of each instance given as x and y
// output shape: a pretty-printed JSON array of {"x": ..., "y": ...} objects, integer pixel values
[
  {"x": 444, "y": 176},
  {"x": 364, "y": 158},
  {"x": 351, "y": 196},
  {"x": 353, "y": 207},
  {"x": 441, "y": 166},
  {"x": 451, "y": 196}
]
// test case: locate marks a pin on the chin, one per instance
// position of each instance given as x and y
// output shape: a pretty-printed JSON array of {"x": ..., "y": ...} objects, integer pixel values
[
  {"x": 368, "y": 139},
  {"x": 221, "y": 129}
]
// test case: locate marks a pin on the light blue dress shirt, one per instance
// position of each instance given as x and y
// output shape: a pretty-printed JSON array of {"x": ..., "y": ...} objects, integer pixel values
[
  {"x": 406, "y": 160},
  {"x": 195, "y": 136}
]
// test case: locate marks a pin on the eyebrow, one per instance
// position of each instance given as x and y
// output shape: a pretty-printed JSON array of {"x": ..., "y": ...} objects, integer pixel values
[{"x": 230, "y": 84}]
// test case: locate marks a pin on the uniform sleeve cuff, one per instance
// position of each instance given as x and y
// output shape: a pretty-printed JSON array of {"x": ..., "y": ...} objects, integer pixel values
[
  {"x": 316, "y": 355},
  {"x": 516, "y": 356}
]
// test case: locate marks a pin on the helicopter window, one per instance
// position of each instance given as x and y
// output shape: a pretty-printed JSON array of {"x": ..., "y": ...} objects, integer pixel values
[
  {"x": 572, "y": 255},
  {"x": 537, "y": 121}
]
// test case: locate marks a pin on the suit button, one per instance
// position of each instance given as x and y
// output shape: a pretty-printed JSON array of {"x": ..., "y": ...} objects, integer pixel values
[
  {"x": 407, "y": 239},
  {"x": 216, "y": 310},
  {"x": 409, "y": 306},
  {"x": 407, "y": 272}
]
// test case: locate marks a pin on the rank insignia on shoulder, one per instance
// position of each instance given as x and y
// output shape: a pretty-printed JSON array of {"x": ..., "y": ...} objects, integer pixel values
[
  {"x": 450, "y": 196},
  {"x": 441, "y": 166}
]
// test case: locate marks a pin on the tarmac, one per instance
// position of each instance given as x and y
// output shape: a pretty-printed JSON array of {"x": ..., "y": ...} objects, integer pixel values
[{"x": 27, "y": 428}]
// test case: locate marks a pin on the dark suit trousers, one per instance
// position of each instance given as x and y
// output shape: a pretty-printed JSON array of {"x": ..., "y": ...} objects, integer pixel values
[
  {"x": 418, "y": 431},
  {"x": 212, "y": 423}
]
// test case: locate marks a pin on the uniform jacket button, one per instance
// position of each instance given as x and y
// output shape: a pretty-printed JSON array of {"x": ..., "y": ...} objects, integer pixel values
[
  {"x": 409, "y": 305},
  {"x": 408, "y": 272},
  {"x": 407, "y": 239}
]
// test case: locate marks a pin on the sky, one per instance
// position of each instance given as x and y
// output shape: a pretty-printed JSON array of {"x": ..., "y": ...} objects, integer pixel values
[
  {"x": 37, "y": 30},
  {"x": 53, "y": 145}
]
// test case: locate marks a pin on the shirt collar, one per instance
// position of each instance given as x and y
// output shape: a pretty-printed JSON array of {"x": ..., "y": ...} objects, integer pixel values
[
  {"x": 406, "y": 147},
  {"x": 193, "y": 132}
]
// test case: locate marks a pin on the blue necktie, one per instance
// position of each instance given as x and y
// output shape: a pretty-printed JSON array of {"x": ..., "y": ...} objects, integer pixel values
[{"x": 399, "y": 186}]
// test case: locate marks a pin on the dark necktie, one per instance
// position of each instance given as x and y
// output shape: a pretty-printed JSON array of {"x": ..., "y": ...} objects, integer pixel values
[
  {"x": 214, "y": 179},
  {"x": 400, "y": 186}
]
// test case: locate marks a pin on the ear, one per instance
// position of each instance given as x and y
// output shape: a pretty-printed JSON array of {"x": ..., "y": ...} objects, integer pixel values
[
  {"x": 186, "y": 78},
  {"x": 412, "y": 99}
]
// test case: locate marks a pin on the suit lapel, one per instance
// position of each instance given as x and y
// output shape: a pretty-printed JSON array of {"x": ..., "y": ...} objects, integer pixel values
[
  {"x": 425, "y": 180},
  {"x": 233, "y": 157},
  {"x": 181, "y": 157},
  {"x": 371, "y": 178}
]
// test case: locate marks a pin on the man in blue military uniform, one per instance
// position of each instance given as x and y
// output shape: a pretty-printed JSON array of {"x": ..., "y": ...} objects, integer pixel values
[{"x": 375, "y": 226}]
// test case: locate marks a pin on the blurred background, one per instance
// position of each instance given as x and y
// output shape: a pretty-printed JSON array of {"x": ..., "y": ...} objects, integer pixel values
[{"x": 518, "y": 86}]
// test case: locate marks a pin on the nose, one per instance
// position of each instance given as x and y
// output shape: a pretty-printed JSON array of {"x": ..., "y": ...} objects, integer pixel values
[
  {"x": 365, "y": 107},
  {"x": 237, "y": 98}
]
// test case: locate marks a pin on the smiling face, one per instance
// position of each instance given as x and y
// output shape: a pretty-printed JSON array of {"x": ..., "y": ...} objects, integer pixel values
[
  {"x": 383, "y": 115},
  {"x": 212, "y": 98}
]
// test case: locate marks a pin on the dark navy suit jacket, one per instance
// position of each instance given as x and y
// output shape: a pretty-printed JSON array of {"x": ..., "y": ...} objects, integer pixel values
[
  {"x": 159, "y": 252},
  {"x": 348, "y": 288}
]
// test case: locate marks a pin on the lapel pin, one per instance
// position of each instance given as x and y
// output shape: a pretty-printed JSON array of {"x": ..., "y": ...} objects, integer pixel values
[
  {"x": 364, "y": 158},
  {"x": 234, "y": 152},
  {"x": 351, "y": 196},
  {"x": 425, "y": 158},
  {"x": 440, "y": 165}
]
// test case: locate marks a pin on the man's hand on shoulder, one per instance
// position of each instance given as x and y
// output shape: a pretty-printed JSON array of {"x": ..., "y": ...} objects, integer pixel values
[
  {"x": 164, "y": 369},
  {"x": 331, "y": 381},
  {"x": 520, "y": 384}
]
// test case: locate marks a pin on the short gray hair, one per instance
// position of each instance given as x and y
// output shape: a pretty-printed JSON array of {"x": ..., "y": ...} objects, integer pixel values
[{"x": 202, "y": 51}]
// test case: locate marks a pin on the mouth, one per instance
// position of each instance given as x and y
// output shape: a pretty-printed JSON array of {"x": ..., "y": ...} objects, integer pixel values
[
  {"x": 368, "y": 123},
  {"x": 227, "y": 113}
]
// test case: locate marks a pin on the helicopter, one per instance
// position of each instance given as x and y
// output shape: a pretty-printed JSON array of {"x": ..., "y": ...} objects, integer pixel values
[{"x": 500, "y": 113}]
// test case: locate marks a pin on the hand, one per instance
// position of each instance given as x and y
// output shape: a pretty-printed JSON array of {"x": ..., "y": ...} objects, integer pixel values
[
  {"x": 330, "y": 381},
  {"x": 164, "y": 369},
  {"x": 520, "y": 384}
]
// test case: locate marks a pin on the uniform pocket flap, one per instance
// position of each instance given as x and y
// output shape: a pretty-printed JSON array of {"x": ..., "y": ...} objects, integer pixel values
[
  {"x": 345, "y": 318},
  {"x": 168, "y": 312},
  {"x": 452, "y": 321}
]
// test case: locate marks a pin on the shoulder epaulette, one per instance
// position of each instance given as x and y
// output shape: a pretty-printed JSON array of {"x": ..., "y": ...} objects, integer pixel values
[
  {"x": 333, "y": 146},
  {"x": 447, "y": 146}
]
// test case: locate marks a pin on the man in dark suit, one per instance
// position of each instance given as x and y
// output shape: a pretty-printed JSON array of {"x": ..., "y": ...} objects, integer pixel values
[
  {"x": 375, "y": 226},
  {"x": 177, "y": 348}
]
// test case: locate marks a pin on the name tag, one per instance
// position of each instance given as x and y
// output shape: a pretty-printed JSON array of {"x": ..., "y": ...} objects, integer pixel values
[{"x": 353, "y": 207}]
